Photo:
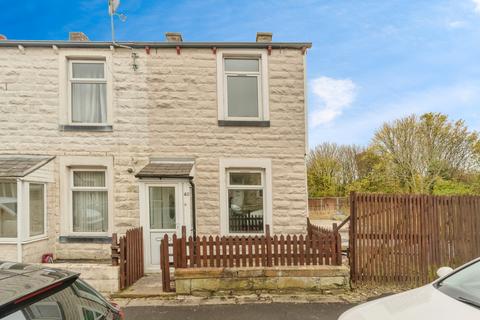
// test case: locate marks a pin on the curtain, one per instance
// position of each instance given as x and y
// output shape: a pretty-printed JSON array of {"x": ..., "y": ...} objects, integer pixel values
[
  {"x": 89, "y": 101},
  {"x": 8, "y": 209},
  {"x": 90, "y": 208}
]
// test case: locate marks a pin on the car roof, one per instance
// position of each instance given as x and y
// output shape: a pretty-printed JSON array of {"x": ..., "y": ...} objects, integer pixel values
[{"x": 18, "y": 280}]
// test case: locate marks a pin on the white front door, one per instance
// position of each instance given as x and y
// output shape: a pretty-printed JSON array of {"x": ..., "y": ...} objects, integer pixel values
[{"x": 165, "y": 210}]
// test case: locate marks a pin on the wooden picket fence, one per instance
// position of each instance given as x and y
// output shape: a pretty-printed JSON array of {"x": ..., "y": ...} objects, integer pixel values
[
  {"x": 403, "y": 239},
  {"x": 248, "y": 251},
  {"x": 128, "y": 253}
]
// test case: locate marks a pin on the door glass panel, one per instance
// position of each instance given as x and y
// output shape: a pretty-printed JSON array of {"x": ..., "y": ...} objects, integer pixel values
[{"x": 162, "y": 207}]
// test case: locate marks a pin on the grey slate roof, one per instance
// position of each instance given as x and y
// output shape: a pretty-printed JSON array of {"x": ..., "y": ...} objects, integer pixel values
[
  {"x": 166, "y": 170},
  {"x": 18, "y": 166}
]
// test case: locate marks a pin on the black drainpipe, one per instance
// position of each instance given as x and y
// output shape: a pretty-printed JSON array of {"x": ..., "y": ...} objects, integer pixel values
[{"x": 194, "y": 218}]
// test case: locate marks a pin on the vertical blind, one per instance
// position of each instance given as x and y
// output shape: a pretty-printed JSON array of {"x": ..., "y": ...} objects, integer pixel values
[{"x": 89, "y": 201}]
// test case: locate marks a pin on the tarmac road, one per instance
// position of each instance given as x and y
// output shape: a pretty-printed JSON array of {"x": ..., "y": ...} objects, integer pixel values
[{"x": 273, "y": 311}]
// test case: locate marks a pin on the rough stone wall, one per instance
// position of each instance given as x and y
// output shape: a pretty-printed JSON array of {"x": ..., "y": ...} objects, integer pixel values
[
  {"x": 218, "y": 281},
  {"x": 167, "y": 108}
]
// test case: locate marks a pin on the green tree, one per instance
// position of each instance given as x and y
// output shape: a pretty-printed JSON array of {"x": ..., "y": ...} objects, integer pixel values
[
  {"x": 422, "y": 150},
  {"x": 331, "y": 168}
]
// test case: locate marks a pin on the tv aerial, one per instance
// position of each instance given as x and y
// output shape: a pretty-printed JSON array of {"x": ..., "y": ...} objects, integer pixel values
[{"x": 112, "y": 11}]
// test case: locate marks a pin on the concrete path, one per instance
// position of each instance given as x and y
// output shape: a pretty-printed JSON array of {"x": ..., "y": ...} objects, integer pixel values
[{"x": 273, "y": 311}]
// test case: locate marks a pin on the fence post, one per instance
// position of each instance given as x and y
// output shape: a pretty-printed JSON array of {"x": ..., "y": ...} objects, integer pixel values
[
  {"x": 114, "y": 248},
  {"x": 338, "y": 245},
  {"x": 309, "y": 228},
  {"x": 183, "y": 248},
  {"x": 165, "y": 264},
  {"x": 269, "y": 245},
  {"x": 122, "y": 263},
  {"x": 351, "y": 246}
]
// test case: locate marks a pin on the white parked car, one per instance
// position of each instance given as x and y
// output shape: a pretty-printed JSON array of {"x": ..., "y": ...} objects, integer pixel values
[{"x": 455, "y": 296}]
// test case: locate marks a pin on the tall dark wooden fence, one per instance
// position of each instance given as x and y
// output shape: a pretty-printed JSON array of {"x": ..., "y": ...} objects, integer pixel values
[
  {"x": 249, "y": 251},
  {"x": 403, "y": 239},
  {"x": 127, "y": 252}
]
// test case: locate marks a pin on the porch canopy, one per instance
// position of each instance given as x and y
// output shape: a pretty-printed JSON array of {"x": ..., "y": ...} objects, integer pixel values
[
  {"x": 19, "y": 166},
  {"x": 167, "y": 169}
]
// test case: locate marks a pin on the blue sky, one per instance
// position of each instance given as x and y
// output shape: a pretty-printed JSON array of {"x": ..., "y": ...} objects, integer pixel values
[{"x": 371, "y": 61}]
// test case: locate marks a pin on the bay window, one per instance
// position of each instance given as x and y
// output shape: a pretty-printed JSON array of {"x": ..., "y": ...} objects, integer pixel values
[
  {"x": 33, "y": 209},
  {"x": 8, "y": 209},
  {"x": 37, "y": 209}
]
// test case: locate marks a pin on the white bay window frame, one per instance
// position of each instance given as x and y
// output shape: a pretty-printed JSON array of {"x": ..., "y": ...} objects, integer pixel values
[
  {"x": 262, "y": 82},
  {"x": 26, "y": 201},
  {"x": 23, "y": 213}
]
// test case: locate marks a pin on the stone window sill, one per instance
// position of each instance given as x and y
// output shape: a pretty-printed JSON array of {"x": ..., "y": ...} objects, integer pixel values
[
  {"x": 85, "y": 239},
  {"x": 79, "y": 128},
  {"x": 241, "y": 123}
]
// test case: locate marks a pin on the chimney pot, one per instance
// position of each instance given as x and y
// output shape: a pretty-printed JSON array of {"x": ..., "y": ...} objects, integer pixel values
[
  {"x": 264, "y": 37},
  {"x": 173, "y": 37},
  {"x": 77, "y": 36},
  {"x": 2, "y": 37}
]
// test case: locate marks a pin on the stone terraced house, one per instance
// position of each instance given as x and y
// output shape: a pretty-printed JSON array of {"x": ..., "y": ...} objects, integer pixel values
[{"x": 99, "y": 137}]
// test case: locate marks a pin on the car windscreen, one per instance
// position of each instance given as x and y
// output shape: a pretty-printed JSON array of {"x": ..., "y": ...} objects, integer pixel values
[{"x": 463, "y": 285}]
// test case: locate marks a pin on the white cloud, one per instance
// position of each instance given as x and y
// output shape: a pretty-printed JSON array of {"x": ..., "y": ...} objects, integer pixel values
[
  {"x": 477, "y": 6},
  {"x": 331, "y": 97},
  {"x": 457, "y": 24}
]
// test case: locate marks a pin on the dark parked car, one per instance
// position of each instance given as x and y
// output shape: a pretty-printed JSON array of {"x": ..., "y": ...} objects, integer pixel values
[{"x": 36, "y": 292}]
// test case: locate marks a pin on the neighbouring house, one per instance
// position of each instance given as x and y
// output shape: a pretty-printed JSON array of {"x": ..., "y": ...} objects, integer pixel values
[{"x": 97, "y": 138}]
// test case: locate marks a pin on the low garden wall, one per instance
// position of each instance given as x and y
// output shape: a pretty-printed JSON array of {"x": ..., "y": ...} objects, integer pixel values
[{"x": 284, "y": 279}]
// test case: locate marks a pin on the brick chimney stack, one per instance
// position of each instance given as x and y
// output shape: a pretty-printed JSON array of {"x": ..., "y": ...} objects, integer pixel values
[
  {"x": 173, "y": 37},
  {"x": 77, "y": 36},
  {"x": 264, "y": 37}
]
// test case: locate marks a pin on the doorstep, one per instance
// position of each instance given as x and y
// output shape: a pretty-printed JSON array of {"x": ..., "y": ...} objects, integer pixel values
[{"x": 149, "y": 286}]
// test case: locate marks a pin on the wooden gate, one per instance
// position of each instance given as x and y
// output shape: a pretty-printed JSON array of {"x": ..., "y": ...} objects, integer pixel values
[
  {"x": 128, "y": 253},
  {"x": 403, "y": 239}
]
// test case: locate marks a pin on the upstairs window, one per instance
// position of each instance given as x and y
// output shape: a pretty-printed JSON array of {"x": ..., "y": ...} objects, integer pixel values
[
  {"x": 242, "y": 84},
  {"x": 88, "y": 92}
]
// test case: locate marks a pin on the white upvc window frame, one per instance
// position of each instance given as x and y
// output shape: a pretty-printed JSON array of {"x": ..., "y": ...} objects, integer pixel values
[
  {"x": 261, "y": 187},
  {"x": 72, "y": 80},
  {"x": 65, "y": 56},
  {"x": 264, "y": 166},
  {"x": 262, "y": 76},
  {"x": 23, "y": 213},
  {"x": 72, "y": 188},
  {"x": 26, "y": 199},
  {"x": 19, "y": 194}
]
